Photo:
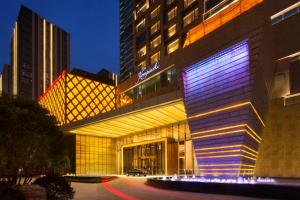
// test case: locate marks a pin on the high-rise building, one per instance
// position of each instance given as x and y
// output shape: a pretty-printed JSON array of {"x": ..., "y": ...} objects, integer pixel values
[
  {"x": 126, "y": 37},
  {"x": 40, "y": 50},
  {"x": 6, "y": 80},
  {"x": 215, "y": 92}
]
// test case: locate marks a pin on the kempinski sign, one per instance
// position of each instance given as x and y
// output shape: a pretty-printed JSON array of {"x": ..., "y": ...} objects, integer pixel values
[{"x": 144, "y": 73}]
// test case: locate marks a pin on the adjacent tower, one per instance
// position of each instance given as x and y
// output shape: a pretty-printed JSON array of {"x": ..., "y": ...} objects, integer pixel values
[
  {"x": 40, "y": 50},
  {"x": 126, "y": 37}
]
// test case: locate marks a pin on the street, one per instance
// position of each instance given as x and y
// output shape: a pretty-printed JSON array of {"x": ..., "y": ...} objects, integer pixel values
[{"x": 133, "y": 188}]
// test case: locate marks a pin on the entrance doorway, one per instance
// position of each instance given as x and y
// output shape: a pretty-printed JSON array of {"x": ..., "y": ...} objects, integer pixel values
[{"x": 148, "y": 157}]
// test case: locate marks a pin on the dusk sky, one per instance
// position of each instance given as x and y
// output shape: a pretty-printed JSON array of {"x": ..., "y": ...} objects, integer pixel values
[{"x": 93, "y": 25}]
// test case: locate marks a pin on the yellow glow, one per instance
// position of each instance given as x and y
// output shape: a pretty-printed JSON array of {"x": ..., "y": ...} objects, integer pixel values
[
  {"x": 225, "y": 169},
  {"x": 249, "y": 153},
  {"x": 15, "y": 59},
  {"x": 51, "y": 54},
  {"x": 228, "y": 151},
  {"x": 258, "y": 115},
  {"x": 44, "y": 55},
  {"x": 226, "y": 156},
  {"x": 226, "y": 133},
  {"x": 229, "y": 127},
  {"x": 219, "y": 129},
  {"x": 218, "y": 174},
  {"x": 228, "y": 108},
  {"x": 215, "y": 165},
  {"x": 225, "y": 147},
  {"x": 72, "y": 98},
  {"x": 218, "y": 134},
  {"x": 216, "y": 152},
  {"x": 220, "y": 110},
  {"x": 136, "y": 121}
]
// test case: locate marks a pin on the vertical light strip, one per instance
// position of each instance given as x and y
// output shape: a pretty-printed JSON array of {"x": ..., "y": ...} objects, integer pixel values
[
  {"x": 15, "y": 67},
  {"x": 44, "y": 55},
  {"x": 51, "y": 53}
]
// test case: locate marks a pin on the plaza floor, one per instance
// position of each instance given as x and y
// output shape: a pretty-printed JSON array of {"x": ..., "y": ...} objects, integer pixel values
[{"x": 134, "y": 188}]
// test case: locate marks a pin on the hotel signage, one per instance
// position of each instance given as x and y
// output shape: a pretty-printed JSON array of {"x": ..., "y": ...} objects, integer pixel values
[{"x": 144, "y": 73}]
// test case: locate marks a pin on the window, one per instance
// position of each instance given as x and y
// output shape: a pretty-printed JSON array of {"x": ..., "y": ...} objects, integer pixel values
[
  {"x": 189, "y": 18},
  {"x": 212, "y": 7},
  {"x": 172, "y": 31},
  {"x": 142, "y": 9},
  {"x": 142, "y": 65},
  {"x": 172, "y": 13},
  {"x": 169, "y": 2},
  {"x": 155, "y": 42},
  {"x": 141, "y": 25},
  {"x": 155, "y": 27},
  {"x": 188, "y": 2},
  {"x": 294, "y": 77},
  {"x": 286, "y": 13},
  {"x": 173, "y": 46},
  {"x": 155, "y": 58},
  {"x": 155, "y": 12},
  {"x": 142, "y": 51}
]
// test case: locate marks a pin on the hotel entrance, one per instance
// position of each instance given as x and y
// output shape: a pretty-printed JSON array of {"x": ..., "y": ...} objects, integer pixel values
[{"x": 148, "y": 157}]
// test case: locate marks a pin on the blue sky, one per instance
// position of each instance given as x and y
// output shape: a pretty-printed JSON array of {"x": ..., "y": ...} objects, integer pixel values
[{"x": 93, "y": 24}]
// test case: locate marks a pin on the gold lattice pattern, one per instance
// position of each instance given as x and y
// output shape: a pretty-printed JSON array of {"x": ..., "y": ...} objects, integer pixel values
[
  {"x": 54, "y": 100},
  {"x": 72, "y": 98},
  {"x": 86, "y": 98}
]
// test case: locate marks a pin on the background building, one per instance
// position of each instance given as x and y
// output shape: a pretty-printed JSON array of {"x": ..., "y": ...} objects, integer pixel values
[
  {"x": 126, "y": 39},
  {"x": 39, "y": 52},
  {"x": 6, "y": 80},
  {"x": 217, "y": 98}
]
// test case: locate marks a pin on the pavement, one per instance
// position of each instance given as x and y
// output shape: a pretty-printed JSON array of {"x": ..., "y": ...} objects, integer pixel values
[{"x": 134, "y": 188}]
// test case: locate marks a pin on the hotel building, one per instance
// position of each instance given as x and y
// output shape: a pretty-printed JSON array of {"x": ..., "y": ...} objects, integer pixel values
[
  {"x": 214, "y": 91},
  {"x": 40, "y": 50}
]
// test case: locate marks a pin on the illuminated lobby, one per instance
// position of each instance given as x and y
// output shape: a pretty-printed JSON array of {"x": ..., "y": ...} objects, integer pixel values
[{"x": 210, "y": 107}]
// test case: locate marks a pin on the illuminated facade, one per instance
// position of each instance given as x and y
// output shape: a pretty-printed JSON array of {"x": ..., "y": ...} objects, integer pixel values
[
  {"x": 39, "y": 52},
  {"x": 71, "y": 98},
  {"x": 210, "y": 103}
]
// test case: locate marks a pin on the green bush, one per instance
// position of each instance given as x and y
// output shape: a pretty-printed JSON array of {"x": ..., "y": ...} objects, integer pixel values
[
  {"x": 57, "y": 187},
  {"x": 10, "y": 192}
]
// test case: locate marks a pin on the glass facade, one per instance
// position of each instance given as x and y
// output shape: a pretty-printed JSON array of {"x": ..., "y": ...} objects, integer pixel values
[
  {"x": 151, "y": 150},
  {"x": 153, "y": 85},
  {"x": 149, "y": 157},
  {"x": 95, "y": 155}
]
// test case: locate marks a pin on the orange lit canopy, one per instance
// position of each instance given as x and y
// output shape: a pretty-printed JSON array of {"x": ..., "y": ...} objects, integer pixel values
[{"x": 120, "y": 124}]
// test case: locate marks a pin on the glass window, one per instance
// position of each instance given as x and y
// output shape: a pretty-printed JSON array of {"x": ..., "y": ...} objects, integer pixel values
[
  {"x": 155, "y": 42},
  {"x": 142, "y": 51},
  {"x": 188, "y": 2},
  {"x": 153, "y": 85},
  {"x": 155, "y": 12},
  {"x": 189, "y": 18},
  {"x": 142, "y": 9},
  {"x": 141, "y": 25},
  {"x": 214, "y": 6},
  {"x": 170, "y": 1},
  {"x": 155, "y": 27},
  {"x": 155, "y": 58},
  {"x": 173, "y": 46},
  {"x": 142, "y": 65},
  {"x": 172, "y": 30},
  {"x": 172, "y": 13}
]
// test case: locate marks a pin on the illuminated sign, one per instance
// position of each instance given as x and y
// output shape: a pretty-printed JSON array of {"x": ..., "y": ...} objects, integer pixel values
[{"x": 145, "y": 72}]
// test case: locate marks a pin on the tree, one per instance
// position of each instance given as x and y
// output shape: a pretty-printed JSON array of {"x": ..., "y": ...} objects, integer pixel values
[{"x": 30, "y": 141}]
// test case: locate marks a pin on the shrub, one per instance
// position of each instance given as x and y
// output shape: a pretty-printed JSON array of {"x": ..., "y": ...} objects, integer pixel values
[
  {"x": 10, "y": 192},
  {"x": 57, "y": 187}
]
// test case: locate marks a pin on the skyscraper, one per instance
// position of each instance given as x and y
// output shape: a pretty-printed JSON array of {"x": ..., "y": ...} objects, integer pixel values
[
  {"x": 40, "y": 50},
  {"x": 126, "y": 36}
]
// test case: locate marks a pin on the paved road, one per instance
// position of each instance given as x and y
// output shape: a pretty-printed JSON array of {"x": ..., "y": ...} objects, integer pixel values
[{"x": 133, "y": 188}]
